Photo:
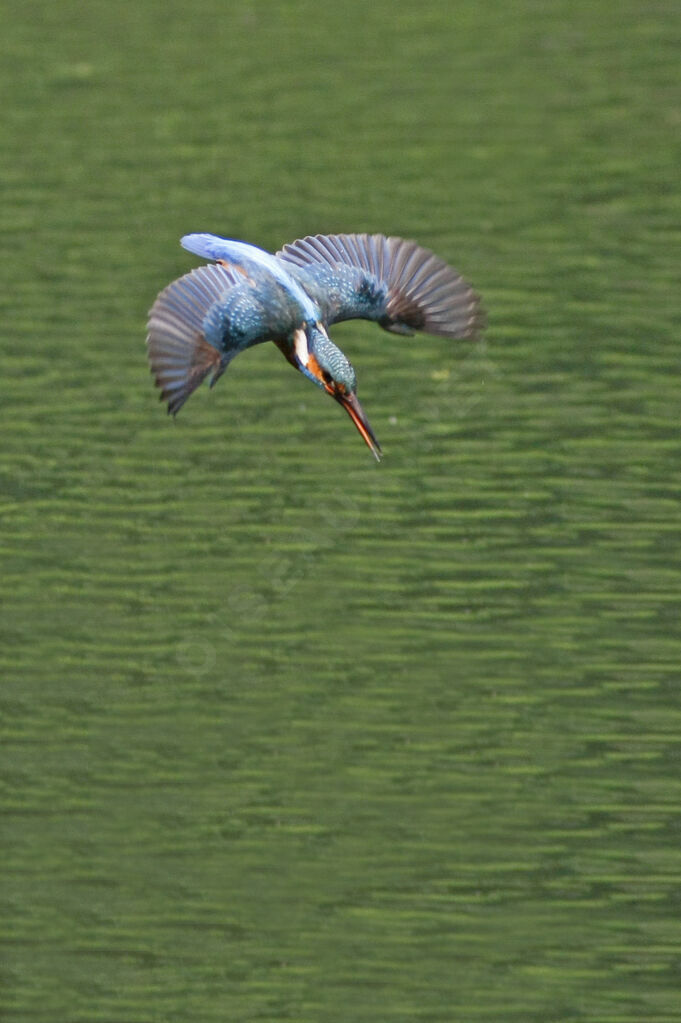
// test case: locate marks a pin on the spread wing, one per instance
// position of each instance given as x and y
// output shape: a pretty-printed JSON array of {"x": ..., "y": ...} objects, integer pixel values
[
  {"x": 400, "y": 285},
  {"x": 198, "y": 324}
]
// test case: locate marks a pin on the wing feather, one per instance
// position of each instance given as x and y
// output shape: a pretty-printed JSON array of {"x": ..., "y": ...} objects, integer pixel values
[
  {"x": 180, "y": 355},
  {"x": 401, "y": 285}
]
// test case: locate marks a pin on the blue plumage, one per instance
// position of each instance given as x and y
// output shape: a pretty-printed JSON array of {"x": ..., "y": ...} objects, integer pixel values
[
  {"x": 258, "y": 264},
  {"x": 342, "y": 292},
  {"x": 201, "y": 321}
]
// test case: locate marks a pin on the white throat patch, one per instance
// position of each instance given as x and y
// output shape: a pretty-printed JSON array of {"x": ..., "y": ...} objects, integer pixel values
[{"x": 300, "y": 346}]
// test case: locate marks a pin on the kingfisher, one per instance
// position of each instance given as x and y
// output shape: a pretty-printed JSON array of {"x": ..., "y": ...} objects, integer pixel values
[{"x": 246, "y": 296}]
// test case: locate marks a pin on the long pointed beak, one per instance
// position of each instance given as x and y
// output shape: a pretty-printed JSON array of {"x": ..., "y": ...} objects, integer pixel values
[{"x": 356, "y": 413}]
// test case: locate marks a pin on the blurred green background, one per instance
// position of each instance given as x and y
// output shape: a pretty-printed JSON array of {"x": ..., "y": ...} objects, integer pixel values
[{"x": 287, "y": 734}]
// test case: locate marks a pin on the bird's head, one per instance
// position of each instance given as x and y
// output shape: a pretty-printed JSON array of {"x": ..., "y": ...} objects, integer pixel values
[{"x": 318, "y": 358}]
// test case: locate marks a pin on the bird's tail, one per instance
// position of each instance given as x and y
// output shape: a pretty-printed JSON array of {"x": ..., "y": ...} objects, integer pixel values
[{"x": 179, "y": 354}]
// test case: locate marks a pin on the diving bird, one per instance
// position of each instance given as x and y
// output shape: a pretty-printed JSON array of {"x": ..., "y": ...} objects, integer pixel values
[{"x": 246, "y": 296}]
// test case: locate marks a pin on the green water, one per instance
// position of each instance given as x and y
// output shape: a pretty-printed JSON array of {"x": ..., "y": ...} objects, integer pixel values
[{"x": 287, "y": 734}]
